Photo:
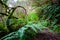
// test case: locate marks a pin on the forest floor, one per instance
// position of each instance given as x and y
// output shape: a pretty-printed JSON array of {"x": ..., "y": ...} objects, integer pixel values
[{"x": 47, "y": 36}]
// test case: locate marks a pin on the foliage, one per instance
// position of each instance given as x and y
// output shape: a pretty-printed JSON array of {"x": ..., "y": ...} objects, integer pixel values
[
  {"x": 47, "y": 10},
  {"x": 32, "y": 17},
  {"x": 3, "y": 26},
  {"x": 17, "y": 23},
  {"x": 30, "y": 29},
  {"x": 56, "y": 28},
  {"x": 44, "y": 17}
]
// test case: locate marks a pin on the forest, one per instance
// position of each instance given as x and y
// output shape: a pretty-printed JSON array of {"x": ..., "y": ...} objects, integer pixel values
[{"x": 29, "y": 19}]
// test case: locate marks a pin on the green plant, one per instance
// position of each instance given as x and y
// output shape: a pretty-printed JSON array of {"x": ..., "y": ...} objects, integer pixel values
[
  {"x": 56, "y": 28},
  {"x": 32, "y": 17},
  {"x": 45, "y": 17},
  {"x": 30, "y": 29}
]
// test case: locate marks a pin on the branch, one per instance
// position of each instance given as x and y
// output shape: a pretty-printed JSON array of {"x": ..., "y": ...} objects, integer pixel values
[
  {"x": 8, "y": 15},
  {"x": 1, "y": 2},
  {"x": 14, "y": 8}
]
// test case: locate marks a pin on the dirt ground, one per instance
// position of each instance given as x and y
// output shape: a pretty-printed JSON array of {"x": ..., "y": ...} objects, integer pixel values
[{"x": 47, "y": 36}]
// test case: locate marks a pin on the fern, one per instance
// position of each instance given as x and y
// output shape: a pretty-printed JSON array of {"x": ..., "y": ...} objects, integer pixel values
[{"x": 22, "y": 33}]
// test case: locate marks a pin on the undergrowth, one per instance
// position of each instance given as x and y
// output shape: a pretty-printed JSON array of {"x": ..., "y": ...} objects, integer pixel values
[{"x": 44, "y": 17}]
